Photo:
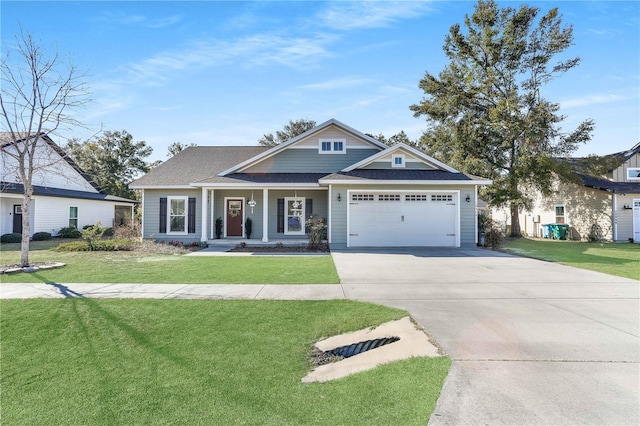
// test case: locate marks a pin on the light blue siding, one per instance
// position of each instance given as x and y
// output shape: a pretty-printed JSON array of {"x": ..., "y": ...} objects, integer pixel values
[
  {"x": 310, "y": 161},
  {"x": 151, "y": 217}
]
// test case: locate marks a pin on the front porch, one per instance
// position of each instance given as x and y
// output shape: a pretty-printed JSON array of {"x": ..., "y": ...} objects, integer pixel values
[{"x": 233, "y": 242}]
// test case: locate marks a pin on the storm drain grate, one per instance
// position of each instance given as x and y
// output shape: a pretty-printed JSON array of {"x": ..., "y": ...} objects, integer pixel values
[{"x": 357, "y": 348}]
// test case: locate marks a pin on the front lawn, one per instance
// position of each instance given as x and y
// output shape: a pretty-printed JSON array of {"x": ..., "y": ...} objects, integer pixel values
[
  {"x": 621, "y": 259},
  {"x": 115, "y": 362},
  {"x": 138, "y": 267}
]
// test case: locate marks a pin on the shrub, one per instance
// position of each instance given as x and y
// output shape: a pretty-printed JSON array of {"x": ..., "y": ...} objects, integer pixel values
[
  {"x": 11, "y": 238},
  {"x": 317, "y": 230},
  {"x": 69, "y": 232},
  {"x": 131, "y": 231},
  {"x": 493, "y": 236},
  {"x": 41, "y": 236},
  {"x": 102, "y": 245},
  {"x": 92, "y": 235}
]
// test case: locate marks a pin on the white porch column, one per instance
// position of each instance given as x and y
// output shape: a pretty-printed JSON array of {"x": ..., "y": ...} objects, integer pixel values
[
  {"x": 329, "y": 218},
  {"x": 203, "y": 215},
  {"x": 265, "y": 215},
  {"x": 212, "y": 218}
]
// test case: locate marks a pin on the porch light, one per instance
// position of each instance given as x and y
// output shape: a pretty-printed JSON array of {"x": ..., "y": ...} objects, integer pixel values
[
  {"x": 468, "y": 199},
  {"x": 339, "y": 197}
]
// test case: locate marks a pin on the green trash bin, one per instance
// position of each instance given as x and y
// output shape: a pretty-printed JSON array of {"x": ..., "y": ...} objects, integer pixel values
[{"x": 559, "y": 231}]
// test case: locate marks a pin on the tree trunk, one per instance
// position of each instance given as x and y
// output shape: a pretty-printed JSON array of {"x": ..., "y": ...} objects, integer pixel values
[
  {"x": 515, "y": 220},
  {"x": 26, "y": 230}
]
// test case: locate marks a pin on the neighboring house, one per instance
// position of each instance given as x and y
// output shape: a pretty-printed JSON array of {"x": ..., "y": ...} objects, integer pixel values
[
  {"x": 63, "y": 195},
  {"x": 369, "y": 194},
  {"x": 606, "y": 207}
]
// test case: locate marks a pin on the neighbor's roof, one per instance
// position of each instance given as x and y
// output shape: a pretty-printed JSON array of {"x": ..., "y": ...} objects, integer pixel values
[
  {"x": 610, "y": 186},
  {"x": 18, "y": 188},
  {"x": 6, "y": 139},
  {"x": 197, "y": 164}
]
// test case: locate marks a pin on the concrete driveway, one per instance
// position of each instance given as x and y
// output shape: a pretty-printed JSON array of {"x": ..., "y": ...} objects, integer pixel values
[{"x": 532, "y": 342}]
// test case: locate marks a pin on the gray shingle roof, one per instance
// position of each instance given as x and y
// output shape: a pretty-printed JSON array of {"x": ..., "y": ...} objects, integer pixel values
[
  {"x": 395, "y": 174},
  {"x": 18, "y": 188},
  {"x": 610, "y": 186},
  {"x": 197, "y": 164}
]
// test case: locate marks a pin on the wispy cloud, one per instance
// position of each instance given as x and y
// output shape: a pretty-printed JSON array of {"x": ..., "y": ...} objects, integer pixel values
[
  {"x": 593, "y": 99},
  {"x": 259, "y": 49},
  {"x": 139, "y": 20},
  {"x": 338, "y": 83},
  {"x": 346, "y": 16}
]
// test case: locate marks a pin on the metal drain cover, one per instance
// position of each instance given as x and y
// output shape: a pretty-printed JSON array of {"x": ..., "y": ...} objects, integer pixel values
[{"x": 357, "y": 348}]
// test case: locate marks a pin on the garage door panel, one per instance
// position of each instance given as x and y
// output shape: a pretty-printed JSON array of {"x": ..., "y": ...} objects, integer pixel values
[{"x": 410, "y": 220}]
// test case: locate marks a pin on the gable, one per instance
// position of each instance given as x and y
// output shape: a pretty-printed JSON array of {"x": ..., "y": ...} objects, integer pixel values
[
  {"x": 305, "y": 152},
  {"x": 629, "y": 171},
  {"x": 400, "y": 156},
  {"x": 53, "y": 168}
]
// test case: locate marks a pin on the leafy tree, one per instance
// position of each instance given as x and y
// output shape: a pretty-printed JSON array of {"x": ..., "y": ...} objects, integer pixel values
[
  {"x": 291, "y": 130},
  {"x": 485, "y": 110},
  {"x": 395, "y": 139},
  {"x": 113, "y": 160},
  {"x": 39, "y": 95},
  {"x": 176, "y": 147}
]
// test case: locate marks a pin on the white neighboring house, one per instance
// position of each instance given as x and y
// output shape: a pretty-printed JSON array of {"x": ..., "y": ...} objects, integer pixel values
[{"x": 63, "y": 194}]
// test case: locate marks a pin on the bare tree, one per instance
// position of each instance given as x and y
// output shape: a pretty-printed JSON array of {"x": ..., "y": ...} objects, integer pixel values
[{"x": 38, "y": 97}]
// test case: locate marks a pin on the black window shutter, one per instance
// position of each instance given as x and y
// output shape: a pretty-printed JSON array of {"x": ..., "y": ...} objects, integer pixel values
[
  {"x": 191, "y": 226},
  {"x": 163, "y": 216},
  {"x": 308, "y": 210},
  {"x": 280, "y": 228}
]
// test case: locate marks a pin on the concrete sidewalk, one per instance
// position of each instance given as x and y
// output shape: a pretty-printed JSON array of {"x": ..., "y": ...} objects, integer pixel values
[{"x": 172, "y": 291}]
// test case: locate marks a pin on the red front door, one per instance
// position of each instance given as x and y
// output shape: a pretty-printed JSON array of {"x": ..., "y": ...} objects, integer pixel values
[{"x": 234, "y": 218}]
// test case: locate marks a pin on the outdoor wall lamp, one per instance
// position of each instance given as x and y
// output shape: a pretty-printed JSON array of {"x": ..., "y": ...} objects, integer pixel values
[
  {"x": 468, "y": 199},
  {"x": 339, "y": 197},
  {"x": 627, "y": 207}
]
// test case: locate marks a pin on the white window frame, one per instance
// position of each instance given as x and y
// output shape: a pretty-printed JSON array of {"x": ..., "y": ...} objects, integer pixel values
[
  {"x": 332, "y": 146},
  {"x": 633, "y": 169},
  {"x": 564, "y": 215},
  {"x": 186, "y": 215},
  {"x": 287, "y": 216},
  {"x": 74, "y": 217},
  {"x": 400, "y": 157}
]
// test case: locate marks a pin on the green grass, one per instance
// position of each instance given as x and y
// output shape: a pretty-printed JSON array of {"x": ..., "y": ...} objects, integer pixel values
[
  {"x": 115, "y": 362},
  {"x": 136, "y": 267},
  {"x": 610, "y": 258}
]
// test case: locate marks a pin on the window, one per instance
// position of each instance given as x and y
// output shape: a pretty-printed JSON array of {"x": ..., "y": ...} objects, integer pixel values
[
  {"x": 294, "y": 216},
  {"x": 397, "y": 160},
  {"x": 633, "y": 173},
  {"x": 416, "y": 197},
  {"x": 362, "y": 197},
  {"x": 177, "y": 217},
  {"x": 560, "y": 213},
  {"x": 73, "y": 217},
  {"x": 332, "y": 146},
  {"x": 388, "y": 197},
  {"x": 442, "y": 197}
]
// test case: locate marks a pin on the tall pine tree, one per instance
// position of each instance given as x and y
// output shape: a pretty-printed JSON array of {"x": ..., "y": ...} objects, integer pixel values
[{"x": 485, "y": 110}]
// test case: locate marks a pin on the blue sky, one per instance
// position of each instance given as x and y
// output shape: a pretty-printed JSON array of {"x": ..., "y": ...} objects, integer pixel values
[{"x": 225, "y": 73}]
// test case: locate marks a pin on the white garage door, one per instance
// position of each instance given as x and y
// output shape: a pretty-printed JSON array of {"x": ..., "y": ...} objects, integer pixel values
[{"x": 403, "y": 219}]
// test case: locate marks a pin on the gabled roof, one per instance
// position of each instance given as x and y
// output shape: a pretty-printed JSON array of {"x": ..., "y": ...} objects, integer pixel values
[
  {"x": 18, "y": 188},
  {"x": 196, "y": 164},
  {"x": 292, "y": 141},
  {"x": 402, "y": 147},
  {"x": 6, "y": 139},
  {"x": 397, "y": 176},
  {"x": 610, "y": 186}
]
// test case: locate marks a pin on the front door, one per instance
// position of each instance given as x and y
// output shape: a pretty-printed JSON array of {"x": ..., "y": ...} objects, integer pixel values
[
  {"x": 17, "y": 218},
  {"x": 234, "y": 217}
]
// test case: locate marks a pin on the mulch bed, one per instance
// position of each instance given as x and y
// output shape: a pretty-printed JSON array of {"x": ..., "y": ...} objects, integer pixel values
[
  {"x": 280, "y": 249},
  {"x": 33, "y": 267}
]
